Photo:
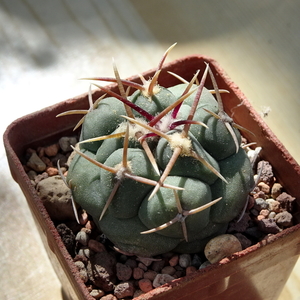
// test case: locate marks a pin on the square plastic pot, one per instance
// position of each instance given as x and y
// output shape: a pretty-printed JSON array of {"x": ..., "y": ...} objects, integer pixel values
[{"x": 258, "y": 272}]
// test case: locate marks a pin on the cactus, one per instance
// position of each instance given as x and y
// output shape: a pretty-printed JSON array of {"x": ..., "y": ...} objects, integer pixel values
[{"x": 160, "y": 170}]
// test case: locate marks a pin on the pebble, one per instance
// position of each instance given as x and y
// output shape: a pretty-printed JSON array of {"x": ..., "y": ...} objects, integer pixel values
[
  {"x": 254, "y": 232},
  {"x": 138, "y": 273},
  {"x": 286, "y": 201},
  {"x": 273, "y": 205},
  {"x": 268, "y": 226},
  {"x": 158, "y": 265},
  {"x": 161, "y": 279},
  {"x": 142, "y": 266},
  {"x": 179, "y": 274},
  {"x": 82, "y": 237},
  {"x": 51, "y": 150},
  {"x": 67, "y": 237},
  {"x": 168, "y": 270},
  {"x": 40, "y": 151},
  {"x": 80, "y": 258},
  {"x": 51, "y": 171},
  {"x": 47, "y": 161},
  {"x": 41, "y": 177},
  {"x": 124, "y": 289},
  {"x": 79, "y": 264},
  {"x": 61, "y": 158},
  {"x": 32, "y": 174},
  {"x": 264, "y": 212},
  {"x": 240, "y": 226},
  {"x": 145, "y": 285},
  {"x": 272, "y": 215},
  {"x": 86, "y": 252},
  {"x": 150, "y": 274},
  {"x": 266, "y": 172},
  {"x": 276, "y": 190},
  {"x": 264, "y": 187},
  {"x": 196, "y": 261},
  {"x": 82, "y": 270},
  {"x": 178, "y": 268},
  {"x": 35, "y": 163},
  {"x": 260, "y": 204},
  {"x": 124, "y": 272},
  {"x": 101, "y": 270},
  {"x": 56, "y": 197},
  {"x": 221, "y": 246},
  {"x": 260, "y": 217},
  {"x": 97, "y": 294},
  {"x": 190, "y": 270},
  {"x": 66, "y": 142},
  {"x": 132, "y": 263},
  {"x": 284, "y": 219},
  {"x": 174, "y": 260},
  {"x": 260, "y": 194},
  {"x": 245, "y": 242},
  {"x": 185, "y": 260},
  {"x": 204, "y": 265}
]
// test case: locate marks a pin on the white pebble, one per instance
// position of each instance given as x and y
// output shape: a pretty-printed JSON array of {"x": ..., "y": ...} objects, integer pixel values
[
  {"x": 82, "y": 237},
  {"x": 161, "y": 279},
  {"x": 185, "y": 260},
  {"x": 272, "y": 215}
]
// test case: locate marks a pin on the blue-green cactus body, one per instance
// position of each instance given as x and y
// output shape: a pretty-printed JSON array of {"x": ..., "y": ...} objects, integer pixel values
[
  {"x": 235, "y": 169},
  {"x": 130, "y": 194},
  {"x": 155, "y": 103},
  {"x": 162, "y": 207},
  {"x": 109, "y": 111},
  {"x": 131, "y": 211},
  {"x": 125, "y": 234},
  {"x": 216, "y": 139},
  {"x": 84, "y": 179},
  {"x": 186, "y": 165}
]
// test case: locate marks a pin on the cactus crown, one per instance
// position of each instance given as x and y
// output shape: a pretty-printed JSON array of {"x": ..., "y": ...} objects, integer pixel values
[{"x": 160, "y": 170}]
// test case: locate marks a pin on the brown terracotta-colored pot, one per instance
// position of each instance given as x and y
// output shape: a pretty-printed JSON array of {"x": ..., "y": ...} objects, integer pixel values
[{"x": 259, "y": 272}]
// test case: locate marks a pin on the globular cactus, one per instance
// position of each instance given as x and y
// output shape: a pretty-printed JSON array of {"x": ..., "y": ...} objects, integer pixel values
[{"x": 160, "y": 170}]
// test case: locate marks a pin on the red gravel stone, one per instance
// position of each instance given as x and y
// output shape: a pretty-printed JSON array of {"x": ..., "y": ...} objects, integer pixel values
[
  {"x": 52, "y": 171},
  {"x": 174, "y": 260},
  {"x": 190, "y": 269},
  {"x": 145, "y": 285},
  {"x": 138, "y": 273},
  {"x": 124, "y": 272},
  {"x": 51, "y": 150},
  {"x": 150, "y": 274}
]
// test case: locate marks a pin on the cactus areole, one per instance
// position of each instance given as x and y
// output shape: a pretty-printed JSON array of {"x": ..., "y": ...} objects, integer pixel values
[{"x": 161, "y": 170}]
